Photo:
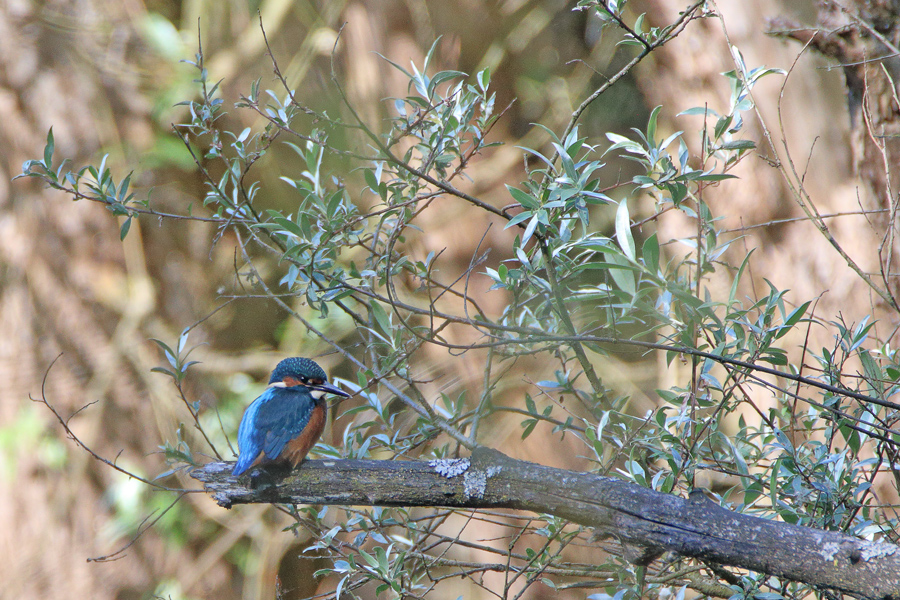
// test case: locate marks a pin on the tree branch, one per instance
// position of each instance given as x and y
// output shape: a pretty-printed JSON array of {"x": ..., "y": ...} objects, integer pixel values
[{"x": 637, "y": 516}]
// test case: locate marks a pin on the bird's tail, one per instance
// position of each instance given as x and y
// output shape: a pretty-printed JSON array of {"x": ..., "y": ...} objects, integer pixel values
[{"x": 244, "y": 462}]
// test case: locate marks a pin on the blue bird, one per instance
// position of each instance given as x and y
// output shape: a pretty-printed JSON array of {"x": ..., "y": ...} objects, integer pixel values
[{"x": 285, "y": 422}]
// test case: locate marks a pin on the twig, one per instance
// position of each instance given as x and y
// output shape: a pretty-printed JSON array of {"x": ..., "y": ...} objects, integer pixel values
[{"x": 71, "y": 435}]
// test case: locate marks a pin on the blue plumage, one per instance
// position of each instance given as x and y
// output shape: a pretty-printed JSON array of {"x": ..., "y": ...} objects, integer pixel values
[{"x": 282, "y": 413}]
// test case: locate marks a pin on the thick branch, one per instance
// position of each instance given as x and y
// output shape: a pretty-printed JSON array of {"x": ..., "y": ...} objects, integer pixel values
[{"x": 694, "y": 527}]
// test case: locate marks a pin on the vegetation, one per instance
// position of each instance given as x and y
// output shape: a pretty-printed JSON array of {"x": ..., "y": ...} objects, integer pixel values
[{"x": 566, "y": 279}]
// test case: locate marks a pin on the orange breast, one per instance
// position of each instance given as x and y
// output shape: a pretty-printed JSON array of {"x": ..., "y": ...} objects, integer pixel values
[{"x": 297, "y": 449}]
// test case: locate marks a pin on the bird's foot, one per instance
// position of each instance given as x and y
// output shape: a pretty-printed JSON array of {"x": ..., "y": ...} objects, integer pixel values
[{"x": 270, "y": 475}]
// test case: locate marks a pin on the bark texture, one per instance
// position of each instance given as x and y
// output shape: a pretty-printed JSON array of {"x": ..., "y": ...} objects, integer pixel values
[{"x": 694, "y": 527}]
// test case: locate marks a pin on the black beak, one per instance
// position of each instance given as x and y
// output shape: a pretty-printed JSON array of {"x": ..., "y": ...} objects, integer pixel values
[{"x": 327, "y": 387}]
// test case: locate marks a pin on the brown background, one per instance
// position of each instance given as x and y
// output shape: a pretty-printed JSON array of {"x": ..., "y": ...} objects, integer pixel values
[{"x": 105, "y": 75}]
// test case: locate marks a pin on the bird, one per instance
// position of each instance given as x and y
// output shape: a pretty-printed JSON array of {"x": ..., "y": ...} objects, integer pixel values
[{"x": 286, "y": 420}]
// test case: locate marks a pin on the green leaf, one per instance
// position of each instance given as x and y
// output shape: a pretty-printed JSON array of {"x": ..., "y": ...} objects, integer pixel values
[
  {"x": 623, "y": 230},
  {"x": 523, "y": 198},
  {"x": 793, "y": 318},
  {"x": 529, "y": 230},
  {"x": 430, "y": 54},
  {"x": 395, "y": 65},
  {"x": 444, "y": 76},
  {"x": 289, "y": 226},
  {"x": 522, "y": 216},
  {"x": 651, "y": 124},
  {"x": 381, "y": 318},
  {"x": 529, "y": 425},
  {"x": 699, "y": 110},
  {"x": 650, "y": 253},
  {"x": 722, "y": 125},
  {"x": 774, "y": 356},
  {"x": 623, "y": 273},
  {"x": 567, "y": 162},
  {"x": 123, "y": 189},
  {"x": 170, "y": 354},
  {"x": 538, "y": 154},
  {"x": 604, "y": 419},
  {"x": 737, "y": 279},
  {"x": 874, "y": 374},
  {"x": 484, "y": 78},
  {"x": 369, "y": 176},
  {"x": 739, "y": 145},
  {"x": 714, "y": 177},
  {"x": 372, "y": 560},
  {"x": 163, "y": 371},
  {"x": 625, "y": 143},
  {"x": 125, "y": 227},
  {"x": 48, "y": 150}
]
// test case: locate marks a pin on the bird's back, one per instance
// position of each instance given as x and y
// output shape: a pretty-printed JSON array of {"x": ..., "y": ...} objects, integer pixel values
[{"x": 278, "y": 416}]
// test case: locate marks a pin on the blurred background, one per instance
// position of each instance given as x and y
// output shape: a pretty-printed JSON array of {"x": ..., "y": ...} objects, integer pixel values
[{"x": 106, "y": 77}]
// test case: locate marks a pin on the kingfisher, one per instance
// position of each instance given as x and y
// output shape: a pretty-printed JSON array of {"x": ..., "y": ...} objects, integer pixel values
[{"x": 285, "y": 422}]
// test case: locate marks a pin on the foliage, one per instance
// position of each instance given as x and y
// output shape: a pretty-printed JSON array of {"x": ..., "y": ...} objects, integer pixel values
[{"x": 349, "y": 247}]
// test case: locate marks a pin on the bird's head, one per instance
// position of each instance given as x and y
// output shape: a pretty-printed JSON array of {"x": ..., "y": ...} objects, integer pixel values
[{"x": 293, "y": 372}]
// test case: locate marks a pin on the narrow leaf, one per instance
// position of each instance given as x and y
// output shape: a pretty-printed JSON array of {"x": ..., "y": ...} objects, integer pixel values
[{"x": 623, "y": 230}]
